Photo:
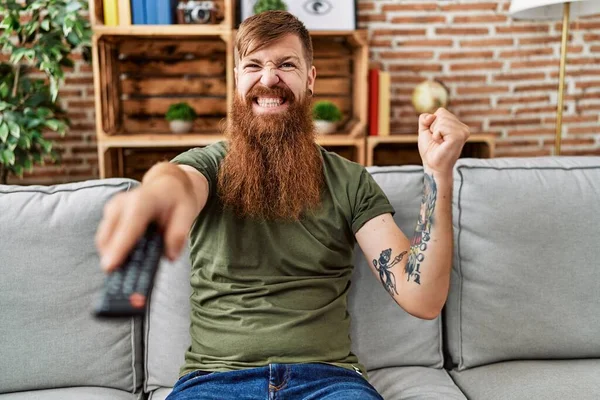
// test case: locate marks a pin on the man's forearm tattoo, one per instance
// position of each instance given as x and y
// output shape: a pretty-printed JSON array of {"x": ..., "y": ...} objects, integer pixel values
[
  {"x": 383, "y": 266},
  {"x": 422, "y": 234}
]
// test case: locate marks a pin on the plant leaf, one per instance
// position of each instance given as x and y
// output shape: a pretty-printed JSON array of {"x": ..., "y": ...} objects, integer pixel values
[
  {"x": 3, "y": 131},
  {"x": 14, "y": 128}
]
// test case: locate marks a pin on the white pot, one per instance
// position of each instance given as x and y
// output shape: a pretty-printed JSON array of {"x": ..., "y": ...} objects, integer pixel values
[
  {"x": 325, "y": 127},
  {"x": 180, "y": 126}
]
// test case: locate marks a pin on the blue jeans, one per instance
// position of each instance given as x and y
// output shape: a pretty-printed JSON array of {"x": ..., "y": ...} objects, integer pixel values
[{"x": 276, "y": 382}]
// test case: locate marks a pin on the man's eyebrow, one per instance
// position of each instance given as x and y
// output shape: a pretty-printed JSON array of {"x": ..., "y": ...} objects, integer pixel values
[{"x": 278, "y": 61}]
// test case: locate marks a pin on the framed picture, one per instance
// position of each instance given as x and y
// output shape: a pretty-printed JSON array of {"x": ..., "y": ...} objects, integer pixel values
[{"x": 317, "y": 15}]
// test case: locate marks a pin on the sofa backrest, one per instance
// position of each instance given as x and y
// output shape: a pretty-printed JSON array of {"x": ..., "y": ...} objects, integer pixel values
[
  {"x": 50, "y": 281},
  {"x": 526, "y": 271},
  {"x": 382, "y": 333}
]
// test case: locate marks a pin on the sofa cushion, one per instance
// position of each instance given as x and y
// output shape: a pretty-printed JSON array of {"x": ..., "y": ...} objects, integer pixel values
[
  {"x": 167, "y": 323},
  {"x": 415, "y": 383},
  {"x": 527, "y": 380},
  {"x": 80, "y": 393},
  {"x": 159, "y": 394},
  {"x": 51, "y": 280},
  {"x": 383, "y": 334},
  {"x": 525, "y": 275}
]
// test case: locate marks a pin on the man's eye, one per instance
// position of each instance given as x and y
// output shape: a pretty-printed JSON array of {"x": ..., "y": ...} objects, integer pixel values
[
  {"x": 252, "y": 66},
  {"x": 288, "y": 65}
]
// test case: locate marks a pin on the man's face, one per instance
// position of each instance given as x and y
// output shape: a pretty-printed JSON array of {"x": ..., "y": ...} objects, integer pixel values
[{"x": 280, "y": 65}]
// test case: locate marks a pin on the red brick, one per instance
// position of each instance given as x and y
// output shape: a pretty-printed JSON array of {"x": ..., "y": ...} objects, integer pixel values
[
  {"x": 485, "y": 101},
  {"x": 532, "y": 88},
  {"x": 531, "y": 131},
  {"x": 572, "y": 142},
  {"x": 591, "y": 37},
  {"x": 535, "y": 153},
  {"x": 502, "y": 144},
  {"x": 462, "y": 31},
  {"x": 520, "y": 77},
  {"x": 583, "y": 152},
  {"x": 485, "y": 113},
  {"x": 371, "y": 18},
  {"x": 535, "y": 110},
  {"x": 547, "y": 40},
  {"x": 412, "y": 79},
  {"x": 462, "y": 78},
  {"x": 514, "y": 121},
  {"x": 523, "y": 29},
  {"x": 426, "y": 43},
  {"x": 572, "y": 119},
  {"x": 476, "y": 66},
  {"x": 470, "y": 7},
  {"x": 410, "y": 7},
  {"x": 534, "y": 64},
  {"x": 479, "y": 19},
  {"x": 419, "y": 19},
  {"x": 466, "y": 55},
  {"x": 579, "y": 26},
  {"x": 587, "y": 84},
  {"x": 399, "y": 32},
  {"x": 392, "y": 55},
  {"x": 526, "y": 53},
  {"x": 487, "y": 42},
  {"x": 415, "y": 67},
  {"x": 482, "y": 89},
  {"x": 519, "y": 100}
]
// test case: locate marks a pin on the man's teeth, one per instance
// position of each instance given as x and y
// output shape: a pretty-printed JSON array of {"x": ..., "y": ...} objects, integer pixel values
[{"x": 270, "y": 102}]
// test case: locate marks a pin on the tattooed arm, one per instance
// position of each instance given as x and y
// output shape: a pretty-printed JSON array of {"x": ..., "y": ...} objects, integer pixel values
[{"x": 415, "y": 273}]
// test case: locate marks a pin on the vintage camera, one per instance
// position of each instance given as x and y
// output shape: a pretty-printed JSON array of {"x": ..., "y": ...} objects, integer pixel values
[{"x": 196, "y": 12}]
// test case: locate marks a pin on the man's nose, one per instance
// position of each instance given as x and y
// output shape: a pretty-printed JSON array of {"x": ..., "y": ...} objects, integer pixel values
[{"x": 269, "y": 76}]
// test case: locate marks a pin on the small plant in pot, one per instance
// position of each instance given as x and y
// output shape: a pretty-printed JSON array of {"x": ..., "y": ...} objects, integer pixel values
[
  {"x": 267, "y": 5},
  {"x": 326, "y": 116},
  {"x": 181, "y": 117}
]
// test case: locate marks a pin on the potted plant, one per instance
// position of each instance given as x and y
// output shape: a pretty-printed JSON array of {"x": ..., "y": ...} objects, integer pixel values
[
  {"x": 181, "y": 117},
  {"x": 40, "y": 36},
  {"x": 326, "y": 116},
  {"x": 266, "y": 5}
]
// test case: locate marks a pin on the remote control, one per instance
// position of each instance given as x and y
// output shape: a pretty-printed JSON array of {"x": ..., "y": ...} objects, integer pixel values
[{"x": 127, "y": 288}]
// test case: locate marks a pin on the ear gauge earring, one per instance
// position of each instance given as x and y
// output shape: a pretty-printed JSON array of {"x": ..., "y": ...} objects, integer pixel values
[{"x": 310, "y": 93}]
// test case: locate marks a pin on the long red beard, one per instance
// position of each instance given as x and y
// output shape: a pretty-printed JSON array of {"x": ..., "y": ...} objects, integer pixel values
[{"x": 273, "y": 169}]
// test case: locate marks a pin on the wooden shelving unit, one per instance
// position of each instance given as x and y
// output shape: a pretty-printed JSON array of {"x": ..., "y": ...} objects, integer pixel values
[
  {"x": 403, "y": 149},
  {"x": 139, "y": 70}
]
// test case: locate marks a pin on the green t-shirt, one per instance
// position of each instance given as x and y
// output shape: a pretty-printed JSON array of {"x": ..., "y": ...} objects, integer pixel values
[{"x": 276, "y": 292}]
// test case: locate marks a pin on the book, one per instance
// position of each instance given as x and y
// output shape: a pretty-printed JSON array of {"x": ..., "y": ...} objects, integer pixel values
[
  {"x": 124, "y": 12},
  {"x": 166, "y": 11},
  {"x": 138, "y": 12},
  {"x": 384, "y": 103},
  {"x": 152, "y": 11},
  {"x": 111, "y": 14},
  {"x": 373, "y": 101}
]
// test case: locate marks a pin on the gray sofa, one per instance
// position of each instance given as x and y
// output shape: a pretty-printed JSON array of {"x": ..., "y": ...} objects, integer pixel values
[{"x": 522, "y": 319}]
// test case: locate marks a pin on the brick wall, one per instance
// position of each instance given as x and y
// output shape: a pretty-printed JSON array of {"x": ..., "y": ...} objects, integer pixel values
[{"x": 502, "y": 75}]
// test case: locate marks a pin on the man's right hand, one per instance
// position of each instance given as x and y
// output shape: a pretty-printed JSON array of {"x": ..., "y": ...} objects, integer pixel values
[{"x": 170, "y": 198}]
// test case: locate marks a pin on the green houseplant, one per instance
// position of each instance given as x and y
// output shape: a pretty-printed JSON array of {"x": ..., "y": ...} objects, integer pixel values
[
  {"x": 326, "y": 116},
  {"x": 40, "y": 36},
  {"x": 266, "y": 5},
  {"x": 181, "y": 117}
]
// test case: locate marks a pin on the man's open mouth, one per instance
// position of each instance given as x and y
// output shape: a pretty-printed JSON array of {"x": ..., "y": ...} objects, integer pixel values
[{"x": 269, "y": 102}]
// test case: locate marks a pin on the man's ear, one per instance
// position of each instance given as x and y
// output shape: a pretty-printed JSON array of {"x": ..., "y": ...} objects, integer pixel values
[{"x": 312, "y": 75}]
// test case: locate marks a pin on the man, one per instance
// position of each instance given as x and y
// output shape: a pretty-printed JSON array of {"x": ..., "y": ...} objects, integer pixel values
[{"x": 273, "y": 219}]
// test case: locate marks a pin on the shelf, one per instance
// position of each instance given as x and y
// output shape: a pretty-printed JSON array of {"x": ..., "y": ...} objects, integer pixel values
[
  {"x": 197, "y": 139},
  {"x": 403, "y": 149},
  {"x": 168, "y": 31}
]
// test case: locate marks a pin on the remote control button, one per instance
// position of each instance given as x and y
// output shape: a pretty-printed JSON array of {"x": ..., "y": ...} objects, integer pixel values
[{"x": 137, "y": 300}]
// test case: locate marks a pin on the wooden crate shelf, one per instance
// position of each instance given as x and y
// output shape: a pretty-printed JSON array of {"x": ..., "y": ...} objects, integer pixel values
[
  {"x": 403, "y": 149},
  {"x": 140, "y": 70}
]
